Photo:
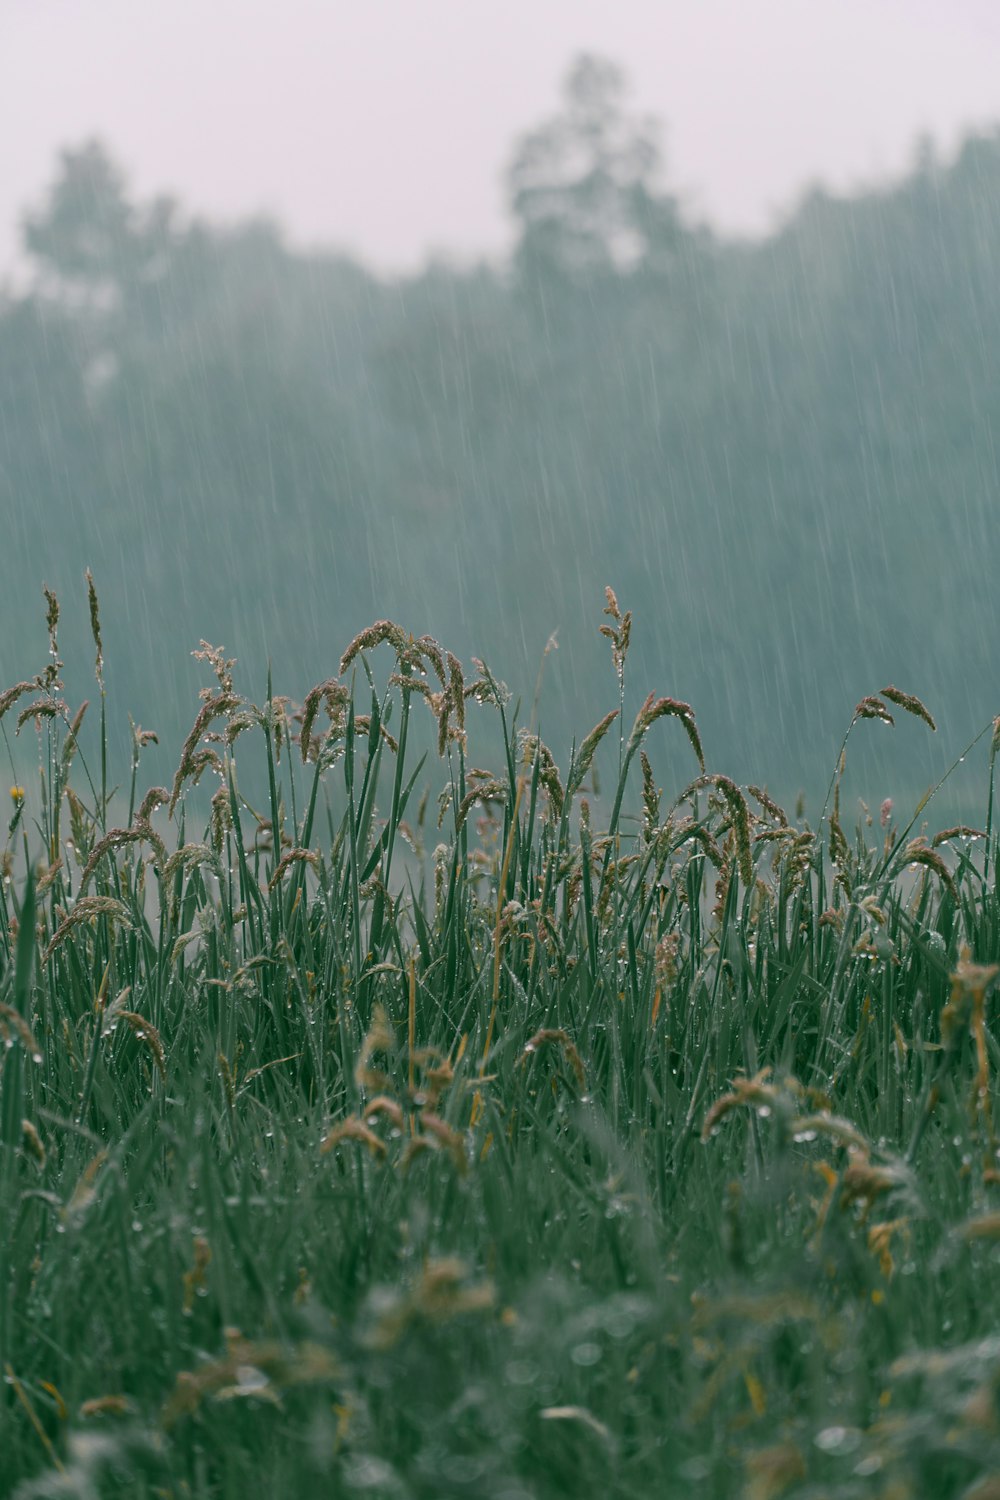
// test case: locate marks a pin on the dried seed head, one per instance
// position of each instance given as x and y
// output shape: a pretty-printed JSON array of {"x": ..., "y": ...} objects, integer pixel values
[
  {"x": 382, "y": 630},
  {"x": 429, "y": 648},
  {"x": 51, "y": 617},
  {"x": 154, "y": 798},
  {"x": 32, "y": 1142},
  {"x": 549, "y": 1036},
  {"x": 12, "y": 1018},
  {"x": 293, "y": 856},
  {"x": 41, "y": 708},
  {"x": 483, "y": 792},
  {"x": 378, "y": 1039},
  {"x": 918, "y": 852},
  {"x": 487, "y": 688},
  {"x": 10, "y": 695},
  {"x": 960, "y": 831},
  {"x": 448, "y": 1139},
  {"x": 354, "y": 1129},
  {"x": 149, "y": 1036},
  {"x": 383, "y": 1105},
  {"x": 192, "y": 762},
  {"x": 334, "y": 695},
  {"x": 86, "y": 909},
  {"x": 657, "y": 708},
  {"x": 910, "y": 703},
  {"x": 532, "y": 749},
  {"x": 457, "y": 686},
  {"x": 650, "y": 797},
  {"x": 873, "y": 708},
  {"x": 588, "y": 748},
  {"x": 666, "y": 958},
  {"x": 72, "y": 736},
  {"x": 739, "y": 816},
  {"x": 768, "y": 804},
  {"x": 95, "y": 627},
  {"x": 188, "y": 856},
  {"x": 745, "y": 1091},
  {"x": 220, "y": 664},
  {"x": 116, "y": 838}
]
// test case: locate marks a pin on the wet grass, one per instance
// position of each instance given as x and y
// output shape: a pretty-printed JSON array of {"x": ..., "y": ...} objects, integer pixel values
[{"x": 373, "y": 1143}]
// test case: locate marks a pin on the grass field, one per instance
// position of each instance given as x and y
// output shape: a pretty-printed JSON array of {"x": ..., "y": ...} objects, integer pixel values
[{"x": 423, "y": 1134}]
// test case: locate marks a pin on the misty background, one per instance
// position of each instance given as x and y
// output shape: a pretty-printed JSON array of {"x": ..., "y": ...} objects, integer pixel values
[{"x": 494, "y": 314}]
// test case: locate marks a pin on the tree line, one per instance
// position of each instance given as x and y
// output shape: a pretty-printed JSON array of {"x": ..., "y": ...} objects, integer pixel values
[{"x": 782, "y": 453}]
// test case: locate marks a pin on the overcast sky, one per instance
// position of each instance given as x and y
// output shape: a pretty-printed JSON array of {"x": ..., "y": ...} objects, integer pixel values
[{"x": 383, "y": 126}]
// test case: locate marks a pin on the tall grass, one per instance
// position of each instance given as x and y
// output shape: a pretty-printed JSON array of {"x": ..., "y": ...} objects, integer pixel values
[{"x": 378, "y": 1143}]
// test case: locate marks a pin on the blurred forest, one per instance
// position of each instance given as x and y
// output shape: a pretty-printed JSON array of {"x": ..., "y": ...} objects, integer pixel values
[{"x": 781, "y": 453}]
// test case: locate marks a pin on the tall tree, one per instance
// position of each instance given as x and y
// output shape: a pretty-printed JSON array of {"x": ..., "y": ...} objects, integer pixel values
[{"x": 583, "y": 186}]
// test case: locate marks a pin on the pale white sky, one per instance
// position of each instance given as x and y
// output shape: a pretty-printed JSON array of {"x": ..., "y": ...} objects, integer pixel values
[{"x": 383, "y": 126}]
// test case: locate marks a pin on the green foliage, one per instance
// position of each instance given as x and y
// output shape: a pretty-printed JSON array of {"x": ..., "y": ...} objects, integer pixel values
[{"x": 516, "y": 1155}]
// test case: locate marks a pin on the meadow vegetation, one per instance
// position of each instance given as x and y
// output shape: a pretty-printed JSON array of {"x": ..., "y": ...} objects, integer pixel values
[{"x": 433, "y": 1130}]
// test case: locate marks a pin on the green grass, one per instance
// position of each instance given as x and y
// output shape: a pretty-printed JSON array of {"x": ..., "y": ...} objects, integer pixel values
[{"x": 489, "y": 1143}]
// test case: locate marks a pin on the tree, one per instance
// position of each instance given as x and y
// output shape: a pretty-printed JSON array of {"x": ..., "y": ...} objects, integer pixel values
[
  {"x": 583, "y": 185},
  {"x": 90, "y": 239}
]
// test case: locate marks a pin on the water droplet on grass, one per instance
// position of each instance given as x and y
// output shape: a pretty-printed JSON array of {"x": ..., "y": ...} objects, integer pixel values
[
  {"x": 586, "y": 1354},
  {"x": 838, "y": 1439}
]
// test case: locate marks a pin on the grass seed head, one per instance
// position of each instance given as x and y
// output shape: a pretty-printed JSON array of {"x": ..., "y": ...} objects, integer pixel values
[
  {"x": 146, "y": 1033},
  {"x": 910, "y": 704},
  {"x": 354, "y": 1129},
  {"x": 919, "y": 852},
  {"x": 588, "y": 748},
  {"x": 12, "y": 1022},
  {"x": 10, "y": 695},
  {"x": 555, "y": 1037},
  {"x": 221, "y": 666},
  {"x": 375, "y": 635},
  {"x": 289, "y": 858},
  {"x": 873, "y": 708},
  {"x": 657, "y": 708},
  {"x": 41, "y": 708},
  {"x": 533, "y": 749},
  {"x": 95, "y": 627},
  {"x": 769, "y": 805},
  {"x": 88, "y": 909},
  {"x": 193, "y": 762},
  {"x": 32, "y": 1142},
  {"x": 482, "y": 792}
]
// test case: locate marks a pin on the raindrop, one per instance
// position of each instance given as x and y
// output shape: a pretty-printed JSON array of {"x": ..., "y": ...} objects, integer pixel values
[
  {"x": 838, "y": 1439},
  {"x": 585, "y": 1354}
]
